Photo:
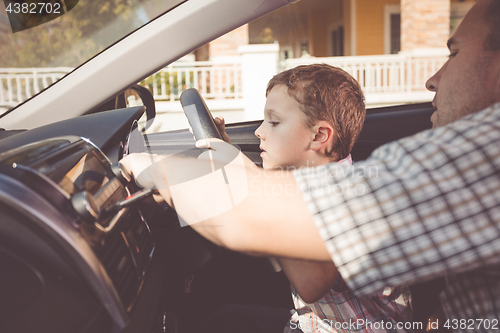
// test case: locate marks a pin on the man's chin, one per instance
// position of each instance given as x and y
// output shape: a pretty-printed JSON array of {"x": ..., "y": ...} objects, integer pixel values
[{"x": 434, "y": 119}]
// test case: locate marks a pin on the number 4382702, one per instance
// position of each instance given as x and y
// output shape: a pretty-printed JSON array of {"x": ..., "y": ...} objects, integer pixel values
[
  {"x": 471, "y": 324},
  {"x": 34, "y": 8}
]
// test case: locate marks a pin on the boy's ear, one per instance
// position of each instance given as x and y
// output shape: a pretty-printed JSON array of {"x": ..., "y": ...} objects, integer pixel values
[{"x": 322, "y": 134}]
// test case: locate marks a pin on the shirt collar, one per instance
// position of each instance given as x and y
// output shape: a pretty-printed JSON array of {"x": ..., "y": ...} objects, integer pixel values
[{"x": 347, "y": 160}]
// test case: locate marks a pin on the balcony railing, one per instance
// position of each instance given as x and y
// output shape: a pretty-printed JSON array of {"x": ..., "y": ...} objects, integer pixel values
[
  {"x": 214, "y": 80},
  {"x": 19, "y": 84},
  {"x": 385, "y": 79}
]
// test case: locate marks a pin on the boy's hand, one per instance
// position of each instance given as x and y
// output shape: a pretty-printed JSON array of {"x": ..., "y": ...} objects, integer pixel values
[{"x": 221, "y": 126}]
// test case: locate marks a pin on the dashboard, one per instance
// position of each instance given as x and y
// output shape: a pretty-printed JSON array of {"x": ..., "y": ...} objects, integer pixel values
[{"x": 70, "y": 263}]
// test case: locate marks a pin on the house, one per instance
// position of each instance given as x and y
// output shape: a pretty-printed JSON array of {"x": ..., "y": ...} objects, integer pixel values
[
  {"x": 390, "y": 46},
  {"x": 326, "y": 28}
]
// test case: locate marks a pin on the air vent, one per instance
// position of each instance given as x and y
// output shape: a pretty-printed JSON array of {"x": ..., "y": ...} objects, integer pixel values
[{"x": 119, "y": 264}]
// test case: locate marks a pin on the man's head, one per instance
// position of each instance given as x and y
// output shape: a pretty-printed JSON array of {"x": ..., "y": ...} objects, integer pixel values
[
  {"x": 470, "y": 80},
  {"x": 313, "y": 114}
]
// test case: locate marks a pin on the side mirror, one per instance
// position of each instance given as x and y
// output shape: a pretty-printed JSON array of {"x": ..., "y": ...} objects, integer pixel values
[
  {"x": 134, "y": 96},
  {"x": 139, "y": 95}
]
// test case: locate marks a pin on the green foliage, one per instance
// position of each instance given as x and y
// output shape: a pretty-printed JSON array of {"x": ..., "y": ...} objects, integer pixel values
[
  {"x": 173, "y": 82},
  {"x": 266, "y": 36},
  {"x": 72, "y": 38}
]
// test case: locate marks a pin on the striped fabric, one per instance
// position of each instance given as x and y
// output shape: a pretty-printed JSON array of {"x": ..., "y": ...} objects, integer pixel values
[{"x": 342, "y": 311}]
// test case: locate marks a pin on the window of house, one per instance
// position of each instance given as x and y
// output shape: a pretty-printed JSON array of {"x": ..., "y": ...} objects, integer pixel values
[
  {"x": 392, "y": 29},
  {"x": 395, "y": 33},
  {"x": 337, "y": 41}
]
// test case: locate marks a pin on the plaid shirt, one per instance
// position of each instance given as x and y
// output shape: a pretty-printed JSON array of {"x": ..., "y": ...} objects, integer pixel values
[
  {"x": 419, "y": 208},
  {"x": 342, "y": 311}
]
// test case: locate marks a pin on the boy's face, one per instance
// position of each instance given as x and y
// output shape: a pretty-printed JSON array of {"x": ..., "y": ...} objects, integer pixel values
[{"x": 284, "y": 138}]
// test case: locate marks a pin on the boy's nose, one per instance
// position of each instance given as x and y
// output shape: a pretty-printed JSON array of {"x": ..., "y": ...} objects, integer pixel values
[{"x": 258, "y": 132}]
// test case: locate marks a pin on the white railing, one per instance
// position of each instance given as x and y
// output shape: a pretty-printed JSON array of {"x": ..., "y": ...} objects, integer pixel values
[
  {"x": 219, "y": 81},
  {"x": 214, "y": 80},
  {"x": 385, "y": 79},
  {"x": 381, "y": 74},
  {"x": 19, "y": 84}
]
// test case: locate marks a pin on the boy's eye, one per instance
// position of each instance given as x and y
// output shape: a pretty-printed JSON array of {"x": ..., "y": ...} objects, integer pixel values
[
  {"x": 273, "y": 123},
  {"x": 452, "y": 54}
]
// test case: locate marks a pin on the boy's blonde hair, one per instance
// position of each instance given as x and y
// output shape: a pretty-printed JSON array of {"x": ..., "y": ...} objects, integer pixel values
[{"x": 327, "y": 93}]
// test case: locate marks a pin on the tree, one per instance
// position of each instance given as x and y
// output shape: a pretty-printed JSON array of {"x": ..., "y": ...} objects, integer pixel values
[{"x": 71, "y": 39}]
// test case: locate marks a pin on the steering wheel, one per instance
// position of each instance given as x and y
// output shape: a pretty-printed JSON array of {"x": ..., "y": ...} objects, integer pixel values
[
  {"x": 204, "y": 127},
  {"x": 199, "y": 117}
]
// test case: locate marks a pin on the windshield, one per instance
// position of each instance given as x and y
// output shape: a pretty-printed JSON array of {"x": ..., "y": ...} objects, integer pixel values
[
  {"x": 390, "y": 47},
  {"x": 58, "y": 46}
]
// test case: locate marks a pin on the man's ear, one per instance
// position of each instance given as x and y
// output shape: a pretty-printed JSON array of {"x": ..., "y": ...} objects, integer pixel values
[{"x": 322, "y": 135}]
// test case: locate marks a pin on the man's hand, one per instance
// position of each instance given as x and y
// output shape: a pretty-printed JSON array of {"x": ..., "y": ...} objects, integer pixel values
[
  {"x": 232, "y": 202},
  {"x": 134, "y": 165},
  {"x": 200, "y": 186},
  {"x": 146, "y": 169}
]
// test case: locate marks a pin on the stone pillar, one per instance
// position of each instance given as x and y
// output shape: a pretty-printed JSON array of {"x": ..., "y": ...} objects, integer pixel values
[
  {"x": 425, "y": 24},
  {"x": 259, "y": 63}
]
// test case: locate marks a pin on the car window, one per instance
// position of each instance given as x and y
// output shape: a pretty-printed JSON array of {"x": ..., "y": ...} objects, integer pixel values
[
  {"x": 33, "y": 59},
  {"x": 365, "y": 38},
  {"x": 390, "y": 46}
]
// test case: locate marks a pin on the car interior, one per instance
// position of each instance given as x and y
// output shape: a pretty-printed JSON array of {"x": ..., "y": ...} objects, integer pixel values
[
  {"x": 74, "y": 262},
  {"x": 143, "y": 244}
]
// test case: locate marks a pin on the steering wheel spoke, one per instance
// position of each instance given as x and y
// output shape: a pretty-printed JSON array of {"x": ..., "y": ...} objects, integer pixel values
[{"x": 199, "y": 117}]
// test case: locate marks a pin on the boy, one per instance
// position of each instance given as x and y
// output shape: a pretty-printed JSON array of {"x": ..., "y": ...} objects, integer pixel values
[{"x": 313, "y": 116}]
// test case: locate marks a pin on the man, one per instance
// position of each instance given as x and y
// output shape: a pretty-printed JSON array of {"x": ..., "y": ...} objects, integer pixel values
[{"x": 432, "y": 210}]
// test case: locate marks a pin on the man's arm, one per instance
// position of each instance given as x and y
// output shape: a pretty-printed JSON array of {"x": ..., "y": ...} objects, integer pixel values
[
  {"x": 272, "y": 218},
  {"x": 397, "y": 218}
]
